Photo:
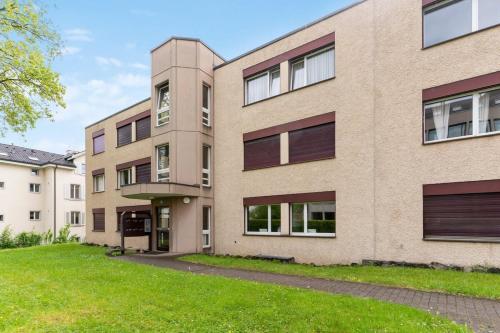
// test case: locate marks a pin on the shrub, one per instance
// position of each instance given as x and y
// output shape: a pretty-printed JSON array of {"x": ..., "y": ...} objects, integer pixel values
[
  {"x": 26, "y": 239},
  {"x": 47, "y": 237},
  {"x": 7, "y": 239},
  {"x": 64, "y": 236}
]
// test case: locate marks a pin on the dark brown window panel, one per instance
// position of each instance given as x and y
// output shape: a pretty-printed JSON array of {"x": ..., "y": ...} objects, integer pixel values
[
  {"x": 133, "y": 118},
  {"x": 99, "y": 223},
  {"x": 126, "y": 165},
  {"x": 124, "y": 135},
  {"x": 474, "y": 215},
  {"x": 98, "y": 172},
  {"x": 143, "y": 173},
  {"x": 98, "y": 144},
  {"x": 290, "y": 198},
  {"x": 262, "y": 153},
  {"x": 143, "y": 128},
  {"x": 312, "y": 143}
]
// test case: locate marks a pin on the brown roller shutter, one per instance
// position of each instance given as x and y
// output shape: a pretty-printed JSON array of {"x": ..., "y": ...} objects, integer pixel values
[
  {"x": 98, "y": 143},
  {"x": 312, "y": 143},
  {"x": 124, "y": 135},
  {"x": 462, "y": 215},
  {"x": 99, "y": 221},
  {"x": 261, "y": 153},
  {"x": 143, "y": 173},
  {"x": 143, "y": 128}
]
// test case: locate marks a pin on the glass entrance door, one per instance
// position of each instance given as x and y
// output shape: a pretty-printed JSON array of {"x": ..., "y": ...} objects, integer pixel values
[{"x": 163, "y": 229}]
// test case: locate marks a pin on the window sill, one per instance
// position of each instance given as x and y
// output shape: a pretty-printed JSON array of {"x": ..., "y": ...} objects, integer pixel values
[
  {"x": 311, "y": 235},
  {"x": 98, "y": 230},
  {"x": 462, "y": 239},
  {"x": 458, "y": 37},
  {"x": 329, "y": 236},
  {"x": 271, "y": 234},
  {"x": 76, "y": 225},
  {"x": 288, "y": 92},
  {"x": 74, "y": 199},
  {"x": 467, "y": 137},
  {"x": 95, "y": 192},
  {"x": 99, "y": 153}
]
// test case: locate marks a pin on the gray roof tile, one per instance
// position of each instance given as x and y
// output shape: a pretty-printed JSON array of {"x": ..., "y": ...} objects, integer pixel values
[{"x": 32, "y": 156}]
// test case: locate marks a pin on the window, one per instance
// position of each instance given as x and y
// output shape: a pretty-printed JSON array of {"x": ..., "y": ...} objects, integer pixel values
[
  {"x": 124, "y": 177},
  {"x": 99, "y": 183},
  {"x": 206, "y": 226},
  {"x": 462, "y": 116},
  {"x": 205, "y": 173},
  {"x": 2, "y": 185},
  {"x": 205, "y": 106},
  {"x": 99, "y": 221},
  {"x": 453, "y": 18},
  {"x": 263, "y": 219},
  {"x": 262, "y": 152},
  {"x": 75, "y": 191},
  {"x": 312, "y": 68},
  {"x": 143, "y": 173},
  {"x": 143, "y": 128},
  {"x": 163, "y": 108},
  {"x": 313, "y": 218},
  {"x": 312, "y": 143},
  {"x": 34, "y": 172},
  {"x": 81, "y": 169},
  {"x": 1, "y": 217},
  {"x": 262, "y": 86},
  {"x": 34, "y": 188},
  {"x": 124, "y": 135},
  {"x": 163, "y": 163},
  {"x": 34, "y": 215},
  {"x": 98, "y": 144},
  {"x": 74, "y": 218}
]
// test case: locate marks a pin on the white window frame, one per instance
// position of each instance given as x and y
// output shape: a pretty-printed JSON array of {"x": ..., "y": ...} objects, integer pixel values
[
  {"x": 71, "y": 217},
  {"x": 94, "y": 180},
  {"x": 165, "y": 109},
  {"x": 206, "y": 181},
  {"x": 269, "y": 221},
  {"x": 207, "y": 231},
  {"x": 72, "y": 191},
  {"x": 206, "y": 112},
  {"x": 35, "y": 188},
  {"x": 305, "y": 217},
  {"x": 35, "y": 218},
  {"x": 166, "y": 170},
  {"x": 35, "y": 172},
  {"x": 119, "y": 177},
  {"x": 304, "y": 60},
  {"x": 268, "y": 74},
  {"x": 475, "y": 114}
]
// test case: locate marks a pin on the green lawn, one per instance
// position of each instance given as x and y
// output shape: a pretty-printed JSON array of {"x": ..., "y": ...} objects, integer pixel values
[
  {"x": 74, "y": 288},
  {"x": 454, "y": 282}
]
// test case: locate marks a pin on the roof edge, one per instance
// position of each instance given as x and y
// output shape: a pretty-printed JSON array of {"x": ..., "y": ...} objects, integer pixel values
[
  {"x": 288, "y": 34},
  {"x": 118, "y": 112},
  {"x": 187, "y": 39}
]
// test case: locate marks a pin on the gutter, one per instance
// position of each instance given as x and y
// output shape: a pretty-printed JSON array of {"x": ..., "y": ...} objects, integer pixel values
[{"x": 55, "y": 201}]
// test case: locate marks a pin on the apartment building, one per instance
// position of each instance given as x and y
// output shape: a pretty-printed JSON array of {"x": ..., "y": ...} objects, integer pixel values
[
  {"x": 368, "y": 134},
  {"x": 41, "y": 191}
]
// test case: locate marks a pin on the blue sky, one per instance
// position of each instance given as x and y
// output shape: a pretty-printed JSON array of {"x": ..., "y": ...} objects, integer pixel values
[{"x": 106, "y": 62}]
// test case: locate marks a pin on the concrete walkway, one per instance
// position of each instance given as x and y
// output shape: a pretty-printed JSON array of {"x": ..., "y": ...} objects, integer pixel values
[{"x": 482, "y": 315}]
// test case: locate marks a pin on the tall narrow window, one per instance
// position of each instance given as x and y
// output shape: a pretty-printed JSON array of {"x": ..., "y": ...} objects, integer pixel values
[
  {"x": 98, "y": 144},
  {"x": 205, "y": 173},
  {"x": 163, "y": 108},
  {"x": 98, "y": 183},
  {"x": 99, "y": 220},
  {"x": 143, "y": 173},
  {"x": 143, "y": 128},
  {"x": 74, "y": 218},
  {"x": 313, "y": 218},
  {"x": 163, "y": 163},
  {"x": 262, "y": 86},
  {"x": 124, "y": 177},
  {"x": 312, "y": 68},
  {"x": 2, "y": 185},
  {"x": 124, "y": 135},
  {"x": 205, "y": 107},
  {"x": 75, "y": 191},
  {"x": 207, "y": 211}
]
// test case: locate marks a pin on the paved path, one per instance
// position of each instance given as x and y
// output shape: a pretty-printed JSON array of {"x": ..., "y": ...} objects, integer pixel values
[{"x": 482, "y": 315}]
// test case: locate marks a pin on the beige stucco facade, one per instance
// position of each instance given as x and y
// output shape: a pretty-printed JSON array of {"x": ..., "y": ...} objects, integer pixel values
[{"x": 380, "y": 163}]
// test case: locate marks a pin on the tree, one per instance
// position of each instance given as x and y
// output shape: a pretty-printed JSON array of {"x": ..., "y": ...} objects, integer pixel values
[{"x": 29, "y": 88}]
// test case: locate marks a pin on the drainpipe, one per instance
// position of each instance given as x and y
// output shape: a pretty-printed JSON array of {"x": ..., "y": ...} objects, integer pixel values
[{"x": 55, "y": 201}]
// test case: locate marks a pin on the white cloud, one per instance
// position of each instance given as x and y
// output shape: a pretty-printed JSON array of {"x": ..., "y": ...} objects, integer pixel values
[
  {"x": 138, "y": 65},
  {"x": 78, "y": 34},
  {"x": 104, "y": 61},
  {"x": 70, "y": 50}
]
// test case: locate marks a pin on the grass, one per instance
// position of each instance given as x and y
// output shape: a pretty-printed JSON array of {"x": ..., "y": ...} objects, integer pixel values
[
  {"x": 74, "y": 288},
  {"x": 459, "y": 283}
]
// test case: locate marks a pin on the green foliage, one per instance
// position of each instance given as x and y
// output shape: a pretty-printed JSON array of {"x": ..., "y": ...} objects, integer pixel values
[
  {"x": 7, "y": 239},
  {"x": 26, "y": 239},
  {"x": 453, "y": 282},
  {"x": 64, "y": 236},
  {"x": 28, "y": 85},
  {"x": 74, "y": 288},
  {"x": 47, "y": 237}
]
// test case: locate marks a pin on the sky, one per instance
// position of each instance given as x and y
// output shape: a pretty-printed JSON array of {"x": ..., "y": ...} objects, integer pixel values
[{"x": 105, "y": 65}]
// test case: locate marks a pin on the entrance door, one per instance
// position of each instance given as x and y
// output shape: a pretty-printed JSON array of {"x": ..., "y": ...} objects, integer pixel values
[{"x": 163, "y": 229}]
